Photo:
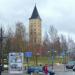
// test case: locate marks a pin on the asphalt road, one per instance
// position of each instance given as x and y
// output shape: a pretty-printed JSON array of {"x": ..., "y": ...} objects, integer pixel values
[
  {"x": 57, "y": 73},
  {"x": 6, "y": 73},
  {"x": 59, "y": 70},
  {"x": 65, "y": 73}
]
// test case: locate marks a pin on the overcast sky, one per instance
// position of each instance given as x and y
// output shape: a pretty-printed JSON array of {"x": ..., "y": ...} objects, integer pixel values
[{"x": 60, "y": 13}]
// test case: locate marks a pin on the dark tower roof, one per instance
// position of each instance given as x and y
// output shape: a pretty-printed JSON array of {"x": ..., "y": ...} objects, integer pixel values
[{"x": 35, "y": 14}]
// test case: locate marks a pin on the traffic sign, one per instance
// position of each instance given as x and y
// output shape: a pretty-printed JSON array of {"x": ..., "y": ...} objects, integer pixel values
[{"x": 28, "y": 54}]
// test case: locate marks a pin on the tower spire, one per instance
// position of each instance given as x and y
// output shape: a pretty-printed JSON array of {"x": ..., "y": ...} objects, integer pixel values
[{"x": 35, "y": 14}]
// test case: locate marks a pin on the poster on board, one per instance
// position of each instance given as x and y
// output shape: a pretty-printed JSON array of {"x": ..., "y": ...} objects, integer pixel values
[{"x": 15, "y": 63}]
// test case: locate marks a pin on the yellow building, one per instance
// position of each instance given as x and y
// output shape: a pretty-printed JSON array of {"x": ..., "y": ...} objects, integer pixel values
[{"x": 35, "y": 28}]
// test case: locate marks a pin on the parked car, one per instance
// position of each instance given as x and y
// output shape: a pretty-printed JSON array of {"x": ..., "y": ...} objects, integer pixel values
[
  {"x": 30, "y": 70},
  {"x": 34, "y": 69},
  {"x": 74, "y": 68},
  {"x": 5, "y": 67},
  {"x": 39, "y": 69},
  {"x": 70, "y": 65},
  {"x": 51, "y": 71}
]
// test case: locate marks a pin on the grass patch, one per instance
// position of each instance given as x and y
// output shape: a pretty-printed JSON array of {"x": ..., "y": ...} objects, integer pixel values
[{"x": 43, "y": 60}]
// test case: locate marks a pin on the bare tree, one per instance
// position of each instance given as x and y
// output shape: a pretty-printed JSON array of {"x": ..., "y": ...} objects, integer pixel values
[
  {"x": 8, "y": 46},
  {"x": 46, "y": 43},
  {"x": 20, "y": 36},
  {"x": 53, "y": 34},
  {"x": 64, "y": 44},
  {"x": 71, "y": 44},
  {"x": 54, "y": 39},
  {"x": 71, "y": 48}
]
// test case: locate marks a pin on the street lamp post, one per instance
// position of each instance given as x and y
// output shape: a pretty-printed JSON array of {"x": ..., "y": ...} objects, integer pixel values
[
  {"x": 64, "y": 58},
  {"x": 53, "y": 57},
  {"x": 1, "y": 39},
  {"x": 49, "y": 57},
  {"x": 37, "y": 54}
]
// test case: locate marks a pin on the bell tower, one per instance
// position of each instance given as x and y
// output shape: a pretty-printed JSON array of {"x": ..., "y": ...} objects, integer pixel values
[{"x": 35, "y": 27}]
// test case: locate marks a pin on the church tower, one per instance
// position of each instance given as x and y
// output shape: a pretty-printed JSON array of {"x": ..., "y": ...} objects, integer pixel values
[{"x": 35, "y": 27}]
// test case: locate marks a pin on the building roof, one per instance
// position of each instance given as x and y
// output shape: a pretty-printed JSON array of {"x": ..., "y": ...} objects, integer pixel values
[{"x": 35, "y": 14}]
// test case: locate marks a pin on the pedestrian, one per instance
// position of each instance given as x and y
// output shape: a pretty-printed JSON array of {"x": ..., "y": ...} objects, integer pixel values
[
  {"x": 45, "y": 69},
  {"x": 0, "y": 69}
]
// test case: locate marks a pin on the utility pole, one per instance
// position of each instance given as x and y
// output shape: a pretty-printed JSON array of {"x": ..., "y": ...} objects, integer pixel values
[{"x": 1, "y": 46}]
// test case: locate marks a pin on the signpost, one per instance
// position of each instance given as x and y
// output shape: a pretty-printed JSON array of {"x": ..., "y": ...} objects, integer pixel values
[
  {"x": 28, "y": 55},
  {"x": 16, "y": 63}
]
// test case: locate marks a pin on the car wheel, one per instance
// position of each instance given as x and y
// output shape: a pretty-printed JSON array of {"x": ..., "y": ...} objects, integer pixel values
[{"x": 73, "y": 69}]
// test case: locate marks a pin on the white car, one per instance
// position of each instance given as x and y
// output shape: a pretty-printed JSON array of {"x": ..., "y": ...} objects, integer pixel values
[{"x": 5, "y": 67}]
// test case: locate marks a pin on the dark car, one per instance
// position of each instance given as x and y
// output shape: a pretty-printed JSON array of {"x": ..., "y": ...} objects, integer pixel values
[
  {"x": 34, "y": 69},
  {"x": 70, "y": 65},
  {"x": 30, "y": 70},
  {"x": 74, "y": 68}
]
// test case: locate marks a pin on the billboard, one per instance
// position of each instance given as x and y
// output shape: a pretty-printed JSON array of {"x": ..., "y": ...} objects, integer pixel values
[{"x": 15, "y": 63}]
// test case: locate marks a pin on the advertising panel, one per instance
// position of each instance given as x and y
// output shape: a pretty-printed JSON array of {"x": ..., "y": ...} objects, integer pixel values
[{"x": 15, "y": 63}]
